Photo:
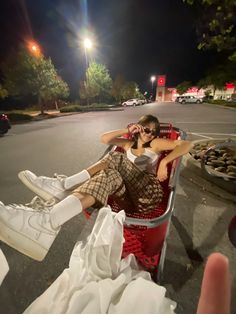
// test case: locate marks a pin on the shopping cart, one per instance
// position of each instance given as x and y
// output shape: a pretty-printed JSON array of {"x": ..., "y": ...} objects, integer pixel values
[{"x": 145, "y": 234}]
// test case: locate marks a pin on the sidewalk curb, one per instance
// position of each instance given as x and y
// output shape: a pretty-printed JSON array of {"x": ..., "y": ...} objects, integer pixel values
[{"x": 220, "y": 106}]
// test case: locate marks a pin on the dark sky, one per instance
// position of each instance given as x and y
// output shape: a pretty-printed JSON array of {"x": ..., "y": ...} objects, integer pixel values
[{"x": 135, "y": 38}]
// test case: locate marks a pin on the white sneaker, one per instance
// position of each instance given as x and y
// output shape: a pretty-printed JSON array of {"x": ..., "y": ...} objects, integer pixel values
[
  {"x": 27, "y": 230},
  {"x": 44, "y": 187}
]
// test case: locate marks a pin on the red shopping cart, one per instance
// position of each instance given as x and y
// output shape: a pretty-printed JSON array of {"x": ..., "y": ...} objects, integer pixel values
[{"x": 145, "y": 234}]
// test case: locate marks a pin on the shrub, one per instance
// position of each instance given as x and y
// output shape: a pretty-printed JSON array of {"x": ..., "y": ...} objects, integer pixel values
[
  {"x": 16, "y": 116},
  {"x": 222, "y": 102},
  {"x": 78, "y": 108},
  {"x": 71, "y": 108}
]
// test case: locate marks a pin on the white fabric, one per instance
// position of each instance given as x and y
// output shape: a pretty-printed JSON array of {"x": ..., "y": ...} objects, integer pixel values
[
  {"x": 65, "y": 210},
  {"x": 98, "y": 281},
  {"x": 4, "y": 268},
  {"x": 146, "y": 162},
  {"x": 76, "y": 179}
]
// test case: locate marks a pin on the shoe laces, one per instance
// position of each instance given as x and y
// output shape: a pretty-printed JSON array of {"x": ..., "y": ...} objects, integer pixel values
[
  {"x": 60, "y": 177},
  {"x": 40, "y": 205}
]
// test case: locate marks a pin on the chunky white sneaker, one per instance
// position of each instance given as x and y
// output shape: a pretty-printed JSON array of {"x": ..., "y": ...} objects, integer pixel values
[
  {"x": 44, "y": 187},
  {"x": 27, "y": 230}
]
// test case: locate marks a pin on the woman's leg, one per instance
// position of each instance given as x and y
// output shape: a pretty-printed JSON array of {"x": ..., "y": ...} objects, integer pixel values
[
  {"x": 58, "y": 187},
  {"x": 98, "y": 166},
  {"x": 143, "y": 188}
]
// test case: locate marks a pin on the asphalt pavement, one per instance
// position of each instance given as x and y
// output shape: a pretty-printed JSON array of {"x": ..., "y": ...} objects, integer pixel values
[{"x": 202, "y": 210}]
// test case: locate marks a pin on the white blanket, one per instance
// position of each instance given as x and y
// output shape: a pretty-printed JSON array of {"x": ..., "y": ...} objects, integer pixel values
[
  {"x": 99, "y": 281},
  {"x": 4, "y": 268}
]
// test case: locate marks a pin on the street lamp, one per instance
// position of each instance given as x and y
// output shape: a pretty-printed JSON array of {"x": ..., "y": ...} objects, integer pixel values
[
  {"x": 34, "y": 48},
  {"x": 87, "y": 46},
  {"x": 153, "y": 78}
]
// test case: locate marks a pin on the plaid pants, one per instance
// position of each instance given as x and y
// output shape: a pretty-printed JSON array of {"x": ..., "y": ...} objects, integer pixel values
[{"x": 123, "y": 179}]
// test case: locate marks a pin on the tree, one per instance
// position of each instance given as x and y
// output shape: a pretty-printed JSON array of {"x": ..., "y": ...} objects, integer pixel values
[
  {"x": 216, "y": 25},
  {"x": 117, "y": 86},
  {"x": 98, "y": 83},
  {"x": 25, "y": 75},
  {"x": 129, "y": 90},
  {"x": 3, "y": 92},
  {"x": 183, "y": 87}
]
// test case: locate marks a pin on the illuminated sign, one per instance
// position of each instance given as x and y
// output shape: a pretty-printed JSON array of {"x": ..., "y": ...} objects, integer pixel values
[
  {"x": 161, "y": 80},
  {"x": 229, "y": 85}
]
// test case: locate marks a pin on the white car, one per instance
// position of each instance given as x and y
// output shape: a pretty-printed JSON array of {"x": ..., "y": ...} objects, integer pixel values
[
  {"x": 132, "y": 102},
  {"x": 188, "y": 99}
]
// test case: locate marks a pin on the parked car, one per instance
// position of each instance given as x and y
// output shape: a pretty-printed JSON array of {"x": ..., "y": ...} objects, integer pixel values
[
  {"x": 232, "y": 98},
  {"x": 4, "y": 124},
  {"x": 189, "y": 99},
  {"x": 177, "y": 99},
  {"x": 132, "y": 102},
  {"x": 142, "y": 101}
]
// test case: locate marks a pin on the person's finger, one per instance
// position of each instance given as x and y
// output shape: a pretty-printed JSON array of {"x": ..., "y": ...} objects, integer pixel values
[{"x": 215, "y": 290}]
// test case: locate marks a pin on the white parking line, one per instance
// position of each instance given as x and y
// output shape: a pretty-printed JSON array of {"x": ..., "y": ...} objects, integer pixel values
[
  {"x": 197, "y": 134},
  {"x": 219, "y": 134},
  {"x": 192, "y": 122}
]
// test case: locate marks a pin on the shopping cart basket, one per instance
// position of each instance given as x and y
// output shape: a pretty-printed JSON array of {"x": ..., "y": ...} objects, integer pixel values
[{"x": 145, "y": 234}]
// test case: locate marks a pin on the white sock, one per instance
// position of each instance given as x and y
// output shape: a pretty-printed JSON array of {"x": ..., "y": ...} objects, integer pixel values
[
  {"x": 76, "y": 179},
  {"x": 65, "y": 210}
]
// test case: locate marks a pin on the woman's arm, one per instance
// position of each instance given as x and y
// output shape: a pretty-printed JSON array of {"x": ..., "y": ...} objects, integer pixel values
[
  {"x": 115, "y": 138},
  {"x": 178, "y": 148}
]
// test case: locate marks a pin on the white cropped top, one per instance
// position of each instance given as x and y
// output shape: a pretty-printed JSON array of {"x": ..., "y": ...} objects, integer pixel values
[{"x": 146, "y": 162}]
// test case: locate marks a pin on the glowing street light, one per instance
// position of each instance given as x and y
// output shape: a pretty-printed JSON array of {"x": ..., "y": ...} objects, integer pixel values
[
  {"x": 88, "y": 43},
  {"x": 87, "y": 46},
  {"x": 153, "y": 78},
  {"x": 34, "y": 48}
]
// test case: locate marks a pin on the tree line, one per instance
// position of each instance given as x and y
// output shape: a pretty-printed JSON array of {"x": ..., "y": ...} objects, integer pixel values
[
  {"x": 35, "y": 79},
  {"x": 215, "y": 24}
]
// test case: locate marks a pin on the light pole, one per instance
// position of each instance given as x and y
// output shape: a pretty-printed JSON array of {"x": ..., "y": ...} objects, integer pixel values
[
  {"x": 153, "y": 78},
  {"x": 87, "y": 45}
]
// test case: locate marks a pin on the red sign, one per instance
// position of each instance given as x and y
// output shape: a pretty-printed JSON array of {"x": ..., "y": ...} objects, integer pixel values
[
  {"x": 229, "y": 85},
  {"x": 161, "y": 80}
]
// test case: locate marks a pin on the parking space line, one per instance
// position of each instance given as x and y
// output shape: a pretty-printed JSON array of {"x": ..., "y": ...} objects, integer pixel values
[{"x": 197, "y": 134}]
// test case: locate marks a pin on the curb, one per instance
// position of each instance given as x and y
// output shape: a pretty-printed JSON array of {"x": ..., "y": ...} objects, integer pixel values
[
  {"x": 53, "y": 115},
  {"x": 220, "y": 106}
]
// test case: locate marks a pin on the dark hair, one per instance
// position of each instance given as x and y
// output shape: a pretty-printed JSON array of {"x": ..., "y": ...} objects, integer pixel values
[{"x": 144, "y": 120}]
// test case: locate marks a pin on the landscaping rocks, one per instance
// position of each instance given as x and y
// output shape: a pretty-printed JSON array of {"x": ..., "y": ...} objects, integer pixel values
[{"x": 218, "y": 157}]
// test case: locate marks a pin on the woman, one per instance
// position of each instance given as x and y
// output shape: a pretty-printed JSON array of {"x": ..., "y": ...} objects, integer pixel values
[{"x": 132, "y": 174}]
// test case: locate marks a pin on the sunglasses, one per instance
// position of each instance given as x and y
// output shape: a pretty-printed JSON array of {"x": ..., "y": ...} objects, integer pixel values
[{"x": 149, "y": 131}]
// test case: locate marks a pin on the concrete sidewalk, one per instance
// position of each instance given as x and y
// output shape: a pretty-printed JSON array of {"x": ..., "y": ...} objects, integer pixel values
[{"x": 199, "y": 227}]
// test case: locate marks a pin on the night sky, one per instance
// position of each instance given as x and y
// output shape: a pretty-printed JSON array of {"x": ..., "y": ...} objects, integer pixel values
[{"x": 133, "y": 38}]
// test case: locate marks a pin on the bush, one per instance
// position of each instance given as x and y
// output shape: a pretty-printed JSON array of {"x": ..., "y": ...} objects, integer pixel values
[
  {"x": 222, "y": 102},
  {"x": 71, "y": 108},
  {"x": 16, "y": 116},
  {"x": 78, "y": 108}
]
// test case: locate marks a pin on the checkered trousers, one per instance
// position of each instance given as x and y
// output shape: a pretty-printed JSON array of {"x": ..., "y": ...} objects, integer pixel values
[{"x": 123, "y": 179}]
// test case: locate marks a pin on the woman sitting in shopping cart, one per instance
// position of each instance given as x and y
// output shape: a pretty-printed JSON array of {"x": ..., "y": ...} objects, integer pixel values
[{"x": 133, "y": 173}]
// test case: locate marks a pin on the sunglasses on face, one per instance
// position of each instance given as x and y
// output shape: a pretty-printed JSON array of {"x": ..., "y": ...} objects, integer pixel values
[{"x": 149, "y": 131}]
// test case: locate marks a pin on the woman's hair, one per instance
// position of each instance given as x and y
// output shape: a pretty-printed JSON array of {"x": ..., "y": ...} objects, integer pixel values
[{"x": 144, "y": 120}]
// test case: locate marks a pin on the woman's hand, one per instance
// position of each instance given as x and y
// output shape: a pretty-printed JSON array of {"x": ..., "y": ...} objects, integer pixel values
[
  {"x": 162, "y": 172},
  {"x": 135, "y": 128}
]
